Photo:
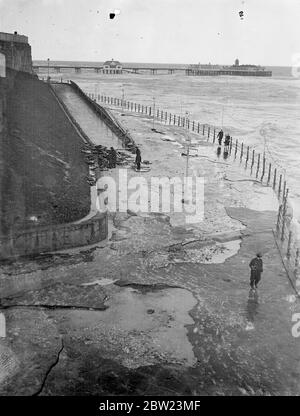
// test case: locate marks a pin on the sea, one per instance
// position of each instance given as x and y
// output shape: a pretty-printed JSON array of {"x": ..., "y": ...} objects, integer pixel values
[{"x": 263, "y": 112}]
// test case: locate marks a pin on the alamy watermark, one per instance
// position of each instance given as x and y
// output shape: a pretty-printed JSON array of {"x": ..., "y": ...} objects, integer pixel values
[
  {"x": 156, "y": 194},
  {"x": 296, "y": 326}
]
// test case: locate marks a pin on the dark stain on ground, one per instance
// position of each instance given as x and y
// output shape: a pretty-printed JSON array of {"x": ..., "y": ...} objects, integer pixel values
[
  {"x": 83, "y": 371},
  {"x": 143, "y": 288},
  {"x": 44, "y": 261}
]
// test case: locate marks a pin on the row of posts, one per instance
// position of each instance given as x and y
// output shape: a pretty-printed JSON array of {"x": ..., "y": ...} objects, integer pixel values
[
  {"x": 287, "y": 237},
  {"x": 263, "y": 171},
  {"x": 255, "y": 161}
]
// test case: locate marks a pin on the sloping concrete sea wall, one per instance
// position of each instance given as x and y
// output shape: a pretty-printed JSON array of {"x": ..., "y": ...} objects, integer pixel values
[{"x": 43, "y": 175}]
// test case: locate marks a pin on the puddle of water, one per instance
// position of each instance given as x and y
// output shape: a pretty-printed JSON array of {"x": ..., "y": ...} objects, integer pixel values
[{"x": 142, "y": 329}]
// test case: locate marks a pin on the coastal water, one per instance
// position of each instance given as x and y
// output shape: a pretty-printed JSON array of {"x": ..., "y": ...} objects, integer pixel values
[{"x": 262, "y": 112}]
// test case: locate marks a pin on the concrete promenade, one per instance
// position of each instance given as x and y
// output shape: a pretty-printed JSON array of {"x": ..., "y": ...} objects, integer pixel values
[{"x": 161, "y": 307}]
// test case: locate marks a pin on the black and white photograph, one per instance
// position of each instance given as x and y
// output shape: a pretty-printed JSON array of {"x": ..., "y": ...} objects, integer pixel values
[{"x": 149, "y": 201}]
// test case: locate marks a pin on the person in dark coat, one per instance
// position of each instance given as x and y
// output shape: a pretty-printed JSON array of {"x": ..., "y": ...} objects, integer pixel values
[
  {"x": 138, "y": 158},
  {"x": 112, "y": 158},
  {"x": 220, "y": 137},
  {"x": 256, "y": 266},
  {"x": 227, "y": 140}
]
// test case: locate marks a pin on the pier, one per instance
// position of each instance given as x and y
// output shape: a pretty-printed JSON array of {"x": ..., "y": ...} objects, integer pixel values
[
  {"x": 199, "y": 70},
  {"x": 231, "y": 72},
  {"x": 100, "y": 69}
]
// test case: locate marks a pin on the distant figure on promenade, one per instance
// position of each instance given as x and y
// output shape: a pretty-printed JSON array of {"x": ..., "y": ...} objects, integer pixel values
[
  {"x": 227, "y": 140},
  {"x": 112, "y": 157},
  {"x": 138, "y": 158},
  {"x": 220, "y": 136},
  {"x": 256, "y": 266}
]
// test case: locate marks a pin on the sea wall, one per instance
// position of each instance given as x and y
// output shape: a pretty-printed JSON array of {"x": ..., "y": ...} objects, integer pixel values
[
  {"x": 55, "y": 237},
  {"x": 17, "y": 52},
  {"x": 43, "y": 173},
  {"x": 108, "y": 118}
]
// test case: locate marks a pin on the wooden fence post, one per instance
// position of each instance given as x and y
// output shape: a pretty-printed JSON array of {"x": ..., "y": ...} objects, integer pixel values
[
  {"x": 279, "y": 186},
  {"x": 236, "y": 147},
  {"x": 263, "y": 169},
  {"x": 283, "y": 215},
  {"x": 203, "y": 129},
  {"x": 253, "y": 156},
  {"x": 284, "y": 189},
  {"x": 208, "y": 132},
  {"x": 288, "y": 253},
  {"x": 230, "y": 145},
  {"x": 214, "y": 136},
  {"x": 242, "y": 150},
  {"x": 247, "y": 157},
  {"x": 198, "y": 128},
  {"x": 258, "y": 163},
  {"x": 269, "y": 174},
  {"x": 274, "y": 180},
  {"x": 279, "y": 217}
]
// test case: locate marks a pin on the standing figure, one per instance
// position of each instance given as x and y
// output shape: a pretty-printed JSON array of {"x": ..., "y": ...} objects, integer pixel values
[
  {"x": 227, "y": 141},
  {"x": 256, "y": 266},
  {"x": 138, "y": 158},
  {"x": 220, "y": 137}
]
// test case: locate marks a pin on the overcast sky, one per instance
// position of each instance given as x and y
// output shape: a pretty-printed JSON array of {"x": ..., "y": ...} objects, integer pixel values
[{"x": 175, "y": 31}]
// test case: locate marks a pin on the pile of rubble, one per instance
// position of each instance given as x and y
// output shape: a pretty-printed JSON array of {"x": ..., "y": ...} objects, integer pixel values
[{"x": 101, "y": 158}]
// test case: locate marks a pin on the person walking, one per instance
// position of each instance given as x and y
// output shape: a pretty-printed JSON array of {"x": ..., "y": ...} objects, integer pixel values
[
  {"x": 256, "y": 266},
  {"x": 220, "y": 136},
  {"x": 138, "y": 158}
]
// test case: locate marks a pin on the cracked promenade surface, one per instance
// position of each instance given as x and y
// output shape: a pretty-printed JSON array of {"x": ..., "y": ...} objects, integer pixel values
[{"x": 161, "y": 307}]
